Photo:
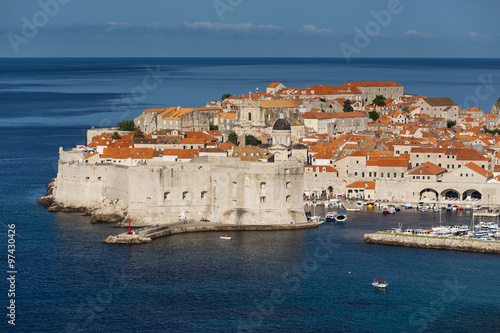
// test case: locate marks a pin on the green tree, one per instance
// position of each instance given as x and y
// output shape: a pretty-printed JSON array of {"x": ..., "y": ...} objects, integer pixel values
[
  {"x": 233, "y": 137},
  {"x": 379, "y": 100},
  {"x": 252, "y": 140},
  {"x": 126, "y": 125},
  {"x": 494, "y": 131},
  {"x": 348, "y": 106},
  {"x": 373, "y": 115},
  {"x": 138, "y": 133},
  {"x": 225, "y": 96},
  {"x": 450, "y": 123},
  {"x": 214, "y": 127},
  {"x": 405, "y": 108},
  {"x": 116, "y": 136}
]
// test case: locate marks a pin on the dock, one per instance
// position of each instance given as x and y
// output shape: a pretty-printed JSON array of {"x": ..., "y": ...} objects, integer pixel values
[
  {"x": 147, "y": 234},
  {"x": 431, "y": 242}
]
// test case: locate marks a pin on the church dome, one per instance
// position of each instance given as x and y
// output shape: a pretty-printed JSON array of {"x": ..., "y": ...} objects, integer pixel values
[
  {"x": 478, "y": 148},
  {"x": 281, "y": 125}
]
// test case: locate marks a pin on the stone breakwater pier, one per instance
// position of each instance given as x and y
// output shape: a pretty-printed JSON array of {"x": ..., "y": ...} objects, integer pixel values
[
  {"x": 147, "y": 234},
  {"x": 426, "y": 242}
]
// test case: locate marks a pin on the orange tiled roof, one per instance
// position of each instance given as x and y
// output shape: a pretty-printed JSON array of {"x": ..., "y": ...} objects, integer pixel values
[
  {"x": 427, "y": 168},
  {"x": 274, "y": 84},
  {"x": 388, "y": 162},
  {"x": 322, "y": 90},
  {"x": 227, "y": 145},
  {"x": 90, "y": 155},
  {"x": 125, "y": 153},
  {"x": 273, "y": 104},
  {"x": 192, "y": 141},
  {"x": 367, "y": 185},
  {"x": 476, "y": 168}
]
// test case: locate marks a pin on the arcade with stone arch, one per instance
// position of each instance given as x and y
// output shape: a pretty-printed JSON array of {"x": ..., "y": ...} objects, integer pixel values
[{"x": 430, "y": 194}]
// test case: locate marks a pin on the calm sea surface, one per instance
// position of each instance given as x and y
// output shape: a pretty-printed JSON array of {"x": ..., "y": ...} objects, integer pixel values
[{"x": 316, "y": 280}]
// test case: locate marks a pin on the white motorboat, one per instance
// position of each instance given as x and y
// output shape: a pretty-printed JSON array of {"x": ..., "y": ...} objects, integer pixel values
[
  {"x": 380, "y": 283},
  {"x": 341, "y": 216},
  {"x": 330, "y": 216},
  {"x": 225, "y": 237}
]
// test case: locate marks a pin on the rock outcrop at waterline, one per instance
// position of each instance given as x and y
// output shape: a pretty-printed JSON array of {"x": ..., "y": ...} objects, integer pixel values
[
  {"x": 434, "y": 242},
  {"x": 48, "y": 199},
  {"x": 108, "y": 214},
  {"x": 52, "y": 205},
  {"x": 127, "y": 239}
]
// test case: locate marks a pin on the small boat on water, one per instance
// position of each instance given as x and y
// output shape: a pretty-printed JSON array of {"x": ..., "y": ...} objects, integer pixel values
[
  {"x": 380, "y": 283},
  {"x": 370, "y": 205},
  {"x": 341, "y": 216},
  {"x": 330, "y": 216},
  {"x": 225, "y": 237},
  {"x": 397, "y": 208},
  {"x": 385, "y": 209},
  {"x": 392, "y": 210},
  {"x": 316, "y": 219},
  {"x": 408, "y": 206},
  {"x": 359, "y": 204}
]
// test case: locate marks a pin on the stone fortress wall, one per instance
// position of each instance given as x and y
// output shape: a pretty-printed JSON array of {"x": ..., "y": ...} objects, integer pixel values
[{"x": 220, "y": 189}]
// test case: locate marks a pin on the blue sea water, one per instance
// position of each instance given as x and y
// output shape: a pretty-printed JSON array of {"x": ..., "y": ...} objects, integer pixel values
[{"x": 314, "y": 280}]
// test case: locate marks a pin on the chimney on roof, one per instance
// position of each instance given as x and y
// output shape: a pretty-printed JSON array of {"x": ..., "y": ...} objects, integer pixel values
[{"x": 178, "y": 108}]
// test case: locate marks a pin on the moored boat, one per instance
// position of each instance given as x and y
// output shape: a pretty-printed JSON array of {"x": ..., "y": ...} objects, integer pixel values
[
  {"x": 330, "y": 216},
  {"x": 341, "y": 216},
  {"x": 385, "y": 209}
]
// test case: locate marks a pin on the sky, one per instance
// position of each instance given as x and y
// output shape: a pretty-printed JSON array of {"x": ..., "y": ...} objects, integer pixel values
[{"x": 250, "y": 28}]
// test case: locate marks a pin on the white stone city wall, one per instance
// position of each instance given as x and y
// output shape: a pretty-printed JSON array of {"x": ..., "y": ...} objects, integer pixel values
[
  {"x": 257, "y": 193},
  {"x": 204, "y": 189},
  {"x": 80, "y": 185}
]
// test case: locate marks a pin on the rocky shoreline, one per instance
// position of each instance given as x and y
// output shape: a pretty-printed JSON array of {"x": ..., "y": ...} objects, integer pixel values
[{"x": 433, "y": 242}]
